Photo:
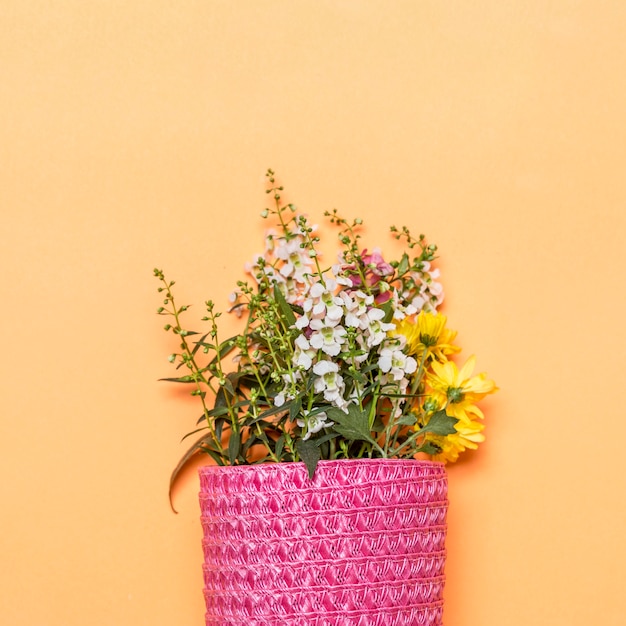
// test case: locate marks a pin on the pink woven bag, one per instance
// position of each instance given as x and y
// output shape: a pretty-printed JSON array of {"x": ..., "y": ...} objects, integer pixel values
[{"x": 361, "y": 544}]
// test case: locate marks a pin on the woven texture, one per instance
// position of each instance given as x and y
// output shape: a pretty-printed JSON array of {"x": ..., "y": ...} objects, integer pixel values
[{"x": 362, "y": 544}]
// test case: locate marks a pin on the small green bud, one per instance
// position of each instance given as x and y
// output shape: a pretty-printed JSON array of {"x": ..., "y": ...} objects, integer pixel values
[
  {"x": 264, "y": 213},
  {"x": 167, "y": 326},
  {"x": 430, "y": 405},
  {"x": 171, "y": 358}
]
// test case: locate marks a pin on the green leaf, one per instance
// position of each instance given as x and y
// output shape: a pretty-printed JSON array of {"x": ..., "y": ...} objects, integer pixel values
[
  {"x": 310, "y": 381},
  {"x": 221, "y": 398},
  {"x": 228, "y": 345},
  {"x": 188, "y": 333},
  {"x": 252, "y": 440},
  {"x": 218, "y": 458},
  {"x": 279, "y": 445},
  {"x": 220, "y": 422},
  {"x": 309, "y": 453},
  {"x": 352, "y": 425},
  {"x": 320, "y": 440},
  {"x": 378, "y": 426},
  {"x": 220, "y": 406},
  {"x": 221, "y": 410},
  {"x": 273, "y": 411},
  {"x": 284, "y": 307},
  {"x": 406, "y": 420},
  {"x": 216, "y": 412},
  {"x": 180, "y": 379},
  {"x": 194, "y": 432},
  {"x": 199, "y": 343},
  {"x": 357, "y": 375},
  {"x": 428, "y": 448},
  {"x": 198, "y": 446},
  {"x": 228, "y": 383},
  {"x": 295, "y": 406},
  {"x": 387, "y": 307},
  {"x": 403, "y": 266},
  {"x": 440, "y": 424},
  {"x": 234, "y": 445}
]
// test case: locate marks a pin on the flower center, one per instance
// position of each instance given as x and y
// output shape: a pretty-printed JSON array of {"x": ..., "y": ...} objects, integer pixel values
[
  {"x": 328, "y": 333},
  {"x": 455, "y": 395},
  {"x": 294, "y": 259},
  {"x": 428, "y": 340},
  {"x": 329, "y": 379}
]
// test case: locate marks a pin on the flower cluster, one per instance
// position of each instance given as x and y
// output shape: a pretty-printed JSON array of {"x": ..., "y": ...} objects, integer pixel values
[{"x": 344, "y": 360}]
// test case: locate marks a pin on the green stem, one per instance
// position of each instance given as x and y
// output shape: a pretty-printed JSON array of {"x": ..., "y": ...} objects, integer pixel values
[
  {"x": 420, "y": 372},
  {"x": 188, "y": 358}
]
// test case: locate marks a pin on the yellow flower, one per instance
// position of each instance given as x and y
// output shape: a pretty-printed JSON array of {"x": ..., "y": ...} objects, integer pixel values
[
  {"x": 468, "y": 435},
  {"x": 457, "y": 390},
  {"x": 427, "y": 332}
]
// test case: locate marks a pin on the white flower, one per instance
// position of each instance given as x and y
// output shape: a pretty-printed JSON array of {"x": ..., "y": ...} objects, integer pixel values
[
  {"x": 297, "y": 261},
  {"x": 303, "y": 354},
  {"x": 357, "y": 305},
  {"x": 340, "y": 271},
  {"x": 430, "y": 292},
  {"x": 330, "y": 382},
  {"x": 327, "y": 336},
  {"x": 401, "y": 308},
  {"x": 313, "y": 423},
  {"x": 376, "y": 330},
  {"x": 302, "y": 322},
  {"x": 287, "y": 393},
  {"x": 323, "y": 302},
  {"x": 362, "y": 352},
  {"x": 393, "y": 360}
]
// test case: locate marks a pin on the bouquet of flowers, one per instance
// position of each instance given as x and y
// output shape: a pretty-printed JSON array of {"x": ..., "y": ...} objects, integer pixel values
[{"x": 346, "y": 360}]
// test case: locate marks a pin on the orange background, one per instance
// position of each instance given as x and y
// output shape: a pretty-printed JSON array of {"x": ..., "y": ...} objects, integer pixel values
[{"x": 136, "y": 134}]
